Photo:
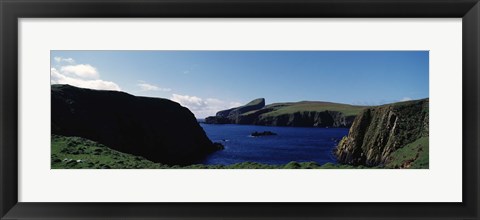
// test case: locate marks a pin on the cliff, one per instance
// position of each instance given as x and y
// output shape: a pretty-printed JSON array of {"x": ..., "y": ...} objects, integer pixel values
[
  {"x": 157, "y": 129},
  {"x": 296, "y": 114},
  {"x": 378, "y": 133}
]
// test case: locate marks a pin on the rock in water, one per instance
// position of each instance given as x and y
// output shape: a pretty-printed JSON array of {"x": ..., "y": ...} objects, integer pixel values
[
  {"x": 158, "y": 129},
  {"x": 379, "y": 131},
  {"x": 265, "y": 133}
]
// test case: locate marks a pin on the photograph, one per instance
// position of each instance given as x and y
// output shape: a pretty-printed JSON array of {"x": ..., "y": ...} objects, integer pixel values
[
  {"x": 252, "y": 110},
  {"x": 235, "y": 109}
]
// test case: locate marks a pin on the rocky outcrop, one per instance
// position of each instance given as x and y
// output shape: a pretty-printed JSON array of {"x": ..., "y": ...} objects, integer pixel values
[
  {"x": 263, "y": 133},
  {"x": 379, "y": 131},
  {"x": 288, "y": 114},
  {"x": 232, "y": 116},
  {"x": 157, "y": 129}
]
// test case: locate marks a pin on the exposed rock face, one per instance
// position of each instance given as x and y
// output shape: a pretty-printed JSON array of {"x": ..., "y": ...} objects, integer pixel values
[
  {"x": 308, "y": 119},
  {"x": 157, "y": 129},
  {"x": 379, "y": 131},
  {"x": 259, "y": 114}
]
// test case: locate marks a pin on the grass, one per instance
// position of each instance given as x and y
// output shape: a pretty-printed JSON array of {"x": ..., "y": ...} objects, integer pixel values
[
  {"x": 413, "y": 155},
  {"x": 81, "y": 153},
  {"x": 290, "y": 108},
  {"x": 271, "y": 107}
]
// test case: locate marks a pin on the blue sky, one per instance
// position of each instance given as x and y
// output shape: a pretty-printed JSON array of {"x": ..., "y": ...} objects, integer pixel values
[{"x": 209, "y": 81}]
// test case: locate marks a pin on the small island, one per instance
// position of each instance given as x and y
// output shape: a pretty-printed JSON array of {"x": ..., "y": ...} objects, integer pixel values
[{"x": 264, "y": 133}]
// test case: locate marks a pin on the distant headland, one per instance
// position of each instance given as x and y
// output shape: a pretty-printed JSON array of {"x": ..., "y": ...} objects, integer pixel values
[{"x": 295, "y": 114}]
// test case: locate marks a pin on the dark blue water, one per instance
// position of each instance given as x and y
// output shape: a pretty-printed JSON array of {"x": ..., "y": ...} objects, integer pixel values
[{"x": 290, "y": 144}]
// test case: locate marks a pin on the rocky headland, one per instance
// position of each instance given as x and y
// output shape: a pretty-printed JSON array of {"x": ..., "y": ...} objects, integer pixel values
[
  {"x": 295, "y": 114},
  {"x": 157, "y": 129},
  {"x": 392, "y": 136}
]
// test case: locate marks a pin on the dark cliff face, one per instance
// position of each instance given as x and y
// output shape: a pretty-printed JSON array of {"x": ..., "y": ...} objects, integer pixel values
[
  {"x": 157, "y": 129},
  {"x": 378, "y": 132},
  {"x": 299, "y": 114},
  {"x": 307, "y": 119}
]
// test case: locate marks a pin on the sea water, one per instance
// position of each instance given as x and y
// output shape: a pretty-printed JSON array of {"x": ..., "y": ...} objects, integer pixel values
[{"x": 290, "y": 144}]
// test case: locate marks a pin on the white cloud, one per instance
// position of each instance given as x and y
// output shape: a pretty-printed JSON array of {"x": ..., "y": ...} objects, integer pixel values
[
  {"x": 203, "y": 107},
  {"x": 82, "y": 70},
  {"x": 404, "y": 99},
  {"x": 235, "y": 104},
  {"x": 191, "y": 102},
  {"x": 148, "y": 87},
  {"x": 59, "y": 77},
  {"x": 61, "y": 59}
]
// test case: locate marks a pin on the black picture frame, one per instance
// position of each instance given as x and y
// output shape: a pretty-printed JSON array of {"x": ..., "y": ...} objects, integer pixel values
[{"x": 12, "y": 10}]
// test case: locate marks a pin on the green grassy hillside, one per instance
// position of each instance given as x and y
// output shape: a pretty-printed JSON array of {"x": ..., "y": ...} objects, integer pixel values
[
  {"x": 413, "y": 155},
  {"x": 306, "y": 106}
]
